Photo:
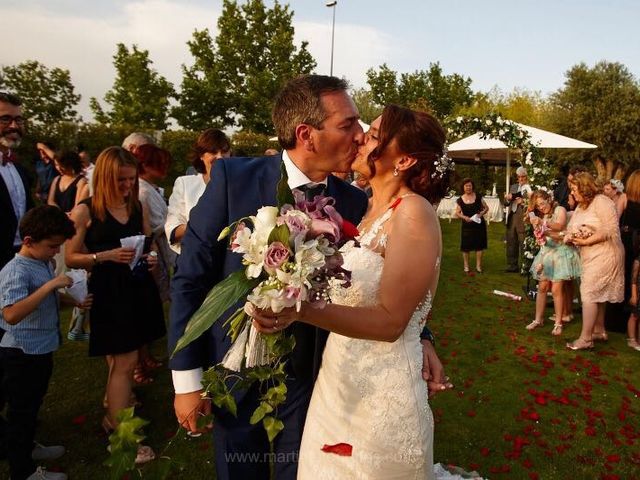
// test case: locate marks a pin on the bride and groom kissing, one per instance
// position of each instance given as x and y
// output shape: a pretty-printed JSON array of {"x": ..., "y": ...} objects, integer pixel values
[{"x": 372, "y": 373}]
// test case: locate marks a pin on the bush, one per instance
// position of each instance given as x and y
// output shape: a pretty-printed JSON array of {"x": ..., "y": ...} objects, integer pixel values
[{"x": 251, "y": 144}]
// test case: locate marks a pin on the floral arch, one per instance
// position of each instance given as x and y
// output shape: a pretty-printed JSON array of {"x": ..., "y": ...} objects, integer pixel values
[{"x": 539, "y": 168}]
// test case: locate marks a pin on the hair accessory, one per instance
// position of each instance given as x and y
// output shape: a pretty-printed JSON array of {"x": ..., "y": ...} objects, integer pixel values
[
  {"x": 444, "y": 163},
  {"x": 395, "y": 171},
  {"x": 617, "y": 184}
]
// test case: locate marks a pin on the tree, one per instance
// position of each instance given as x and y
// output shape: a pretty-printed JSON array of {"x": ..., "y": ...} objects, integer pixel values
[
  {"x": 369, "y": 110},
  {"x": 244, "y": 68},
  {"x": 601, "y": 105},
  {"x": 140, "y": 95},
  {"x": 431, "y": 89},
  {"x": 48, "y": 95},
  {"x": 518, "y": 105}
]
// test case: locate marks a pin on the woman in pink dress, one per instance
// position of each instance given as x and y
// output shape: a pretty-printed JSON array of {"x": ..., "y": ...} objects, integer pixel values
[{"x": 594, "y": 229}]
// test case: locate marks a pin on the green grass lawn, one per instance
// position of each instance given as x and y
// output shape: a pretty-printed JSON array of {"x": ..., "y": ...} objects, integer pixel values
[{"x": 523, "y": 407}]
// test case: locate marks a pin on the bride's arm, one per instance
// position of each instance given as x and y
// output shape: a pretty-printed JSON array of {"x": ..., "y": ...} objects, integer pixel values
[{"x": 410, "y": 271}]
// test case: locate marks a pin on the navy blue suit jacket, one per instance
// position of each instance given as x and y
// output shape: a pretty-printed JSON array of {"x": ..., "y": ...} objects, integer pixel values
[{"x": 238, "y": 188}]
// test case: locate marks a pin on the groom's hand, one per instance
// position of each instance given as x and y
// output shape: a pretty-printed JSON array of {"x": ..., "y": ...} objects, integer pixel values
[{"x": 189, "y": 408}]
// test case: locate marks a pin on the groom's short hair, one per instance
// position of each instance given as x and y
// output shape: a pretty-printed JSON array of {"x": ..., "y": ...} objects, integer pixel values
[{"x": 299, "y": 101}]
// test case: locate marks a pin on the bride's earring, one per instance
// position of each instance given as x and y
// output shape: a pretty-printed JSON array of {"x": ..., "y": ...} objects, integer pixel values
[{"x": 395, "y": 171}]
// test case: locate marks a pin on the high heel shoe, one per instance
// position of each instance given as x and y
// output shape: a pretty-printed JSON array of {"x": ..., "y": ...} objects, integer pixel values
[
  {"x": 533, "y": 325},
  {"x": 601, "y": 336},
  {"x": 580, "y": 344}
]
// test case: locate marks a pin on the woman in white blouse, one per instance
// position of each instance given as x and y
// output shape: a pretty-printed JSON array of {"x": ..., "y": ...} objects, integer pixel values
[{"x": 211, "y": 145}]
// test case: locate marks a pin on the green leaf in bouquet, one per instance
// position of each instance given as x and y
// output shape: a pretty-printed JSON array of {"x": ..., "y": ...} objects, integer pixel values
[
  {"x": 221, "y": 297},
  {"x": 259, "y": 413},
  {"x": 280, "y": 233},
  {"x": 236, "y": 323},
  {"x": 277, "y": 394},
  {"x": 283, "y": 192},
  {"x": 259, "y": 373},
  {"x": 273, "y": 426},
  {"x": 283, "y": 345}
]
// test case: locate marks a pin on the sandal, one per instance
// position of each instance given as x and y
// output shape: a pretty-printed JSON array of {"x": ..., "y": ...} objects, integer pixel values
[
  {"x": 580, "y": 344},
  {"x": 602, "y": 336},
  {"x": 633, "y": 343},
  {"x": 466, "y": 269},
  {"x": 565, "y": 318},
  {"x": 557, "y": 329},
  {"x": 533, "y": 325},
  {"x": 140, "y": 376}
]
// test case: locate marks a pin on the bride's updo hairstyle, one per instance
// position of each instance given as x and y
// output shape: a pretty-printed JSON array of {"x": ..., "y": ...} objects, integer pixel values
[{"x": 418, "y": 135}]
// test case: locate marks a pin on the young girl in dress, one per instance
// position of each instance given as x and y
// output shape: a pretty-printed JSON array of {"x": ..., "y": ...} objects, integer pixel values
[{"x": 556, "y": 264}]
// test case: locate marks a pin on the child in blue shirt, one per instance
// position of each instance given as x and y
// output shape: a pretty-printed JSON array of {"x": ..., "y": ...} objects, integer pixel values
[{"x": 29, "y": 316}]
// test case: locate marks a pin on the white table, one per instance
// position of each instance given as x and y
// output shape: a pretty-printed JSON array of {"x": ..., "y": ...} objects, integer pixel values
[{"x": 447, "y": 208}]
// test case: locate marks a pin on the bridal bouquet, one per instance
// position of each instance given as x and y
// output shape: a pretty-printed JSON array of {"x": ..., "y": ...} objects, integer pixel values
[
  {"x": 290, "y": 254},
  {"x": 583, "y": 231}
]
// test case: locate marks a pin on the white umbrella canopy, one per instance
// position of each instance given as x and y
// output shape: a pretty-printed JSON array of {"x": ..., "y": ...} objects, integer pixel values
[
  {"x": 476, "y": 147},
  {"x": 494, "y": 149}
]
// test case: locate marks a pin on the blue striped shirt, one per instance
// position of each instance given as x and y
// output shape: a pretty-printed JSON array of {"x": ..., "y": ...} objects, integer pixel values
[{"x": 38, "y": 332}]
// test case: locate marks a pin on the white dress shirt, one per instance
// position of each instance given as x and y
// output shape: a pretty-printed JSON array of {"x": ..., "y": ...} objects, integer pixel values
[
  {"x": 14, "y": 184},
  {"x": 186, "y": 381},
  {"x": 187, "y": 190}
]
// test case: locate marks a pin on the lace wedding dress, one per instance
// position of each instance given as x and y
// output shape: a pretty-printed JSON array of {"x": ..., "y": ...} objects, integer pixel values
[{"x": 370, "y": 394}]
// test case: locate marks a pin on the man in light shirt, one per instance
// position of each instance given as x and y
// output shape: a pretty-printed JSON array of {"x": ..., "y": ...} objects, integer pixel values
[{"x": 514, "y": 201}]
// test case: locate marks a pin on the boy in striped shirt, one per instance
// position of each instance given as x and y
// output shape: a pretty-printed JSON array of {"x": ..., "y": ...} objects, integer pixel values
[{"x": 29, "y": 316}]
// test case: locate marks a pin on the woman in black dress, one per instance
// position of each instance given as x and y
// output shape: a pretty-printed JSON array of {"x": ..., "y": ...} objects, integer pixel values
[
  {"x": 471, "y": 208},
  {"x": 127, "y": 312}
]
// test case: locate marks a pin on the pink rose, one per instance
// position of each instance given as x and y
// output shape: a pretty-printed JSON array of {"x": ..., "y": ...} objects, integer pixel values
[{"x": 275, "y": 256}]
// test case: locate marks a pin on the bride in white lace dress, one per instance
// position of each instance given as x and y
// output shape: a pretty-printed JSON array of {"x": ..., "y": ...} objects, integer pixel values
[{"x": 370, "y": 393}]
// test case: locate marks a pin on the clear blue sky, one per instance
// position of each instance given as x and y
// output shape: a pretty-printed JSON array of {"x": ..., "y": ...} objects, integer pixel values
[{"x": 525, "y": 43}]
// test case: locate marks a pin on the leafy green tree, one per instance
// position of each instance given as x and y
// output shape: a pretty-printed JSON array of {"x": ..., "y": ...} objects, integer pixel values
[
  {"x": 601, "y": 105},
  {"x": 140, "y": 95},
  {"x": 48, "y": 95},
  {"x": 369, "y": 110},
  {"x": 234, "y": 79},
  {"x": 519, "y": 105},
  {"x": 430, "y": 88}
]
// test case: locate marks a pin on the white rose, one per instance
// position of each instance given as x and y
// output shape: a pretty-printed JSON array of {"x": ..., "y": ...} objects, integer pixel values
[
  {"x": 528, "y": 161},
  {"x": 266, "y": 217},
  {"x": 536, "y": 170},
  {"x": 489, "y": 122},
  {"x": 459, "y": 119}
]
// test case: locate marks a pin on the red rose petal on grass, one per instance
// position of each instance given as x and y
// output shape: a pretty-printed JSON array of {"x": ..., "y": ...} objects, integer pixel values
[
  {"x": 471, "y": 413},
  {"x": 610, "y": 476},
  {"x": 474, "y": 466},
  {"x": 527, "y": 464},
  {"x": 590, "y": 431},
  {"x": 540, "y": 400},
  {"x": 342, "y": 449},
  {"x": 484, "y": 451},
  {"x": 613, "y": 458},
  {"x": 533, "y": 476},
  {"x": 79, "y": 420}
]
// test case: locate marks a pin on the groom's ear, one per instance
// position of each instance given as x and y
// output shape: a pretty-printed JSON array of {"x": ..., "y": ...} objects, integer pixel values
[{"x": 304, "y": 136}]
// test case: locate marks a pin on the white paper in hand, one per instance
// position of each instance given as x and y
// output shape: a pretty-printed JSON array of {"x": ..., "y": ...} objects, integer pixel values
[
  {"x": 79, "y": 289},
  {"x": 135, "y": 242},
  {"x": 476, "y": 218}
]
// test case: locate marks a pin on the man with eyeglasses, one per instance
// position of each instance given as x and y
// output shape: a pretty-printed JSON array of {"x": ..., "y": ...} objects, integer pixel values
[
  {"x": 514, "y": 201},
  {"x": 15, "y": 198}
]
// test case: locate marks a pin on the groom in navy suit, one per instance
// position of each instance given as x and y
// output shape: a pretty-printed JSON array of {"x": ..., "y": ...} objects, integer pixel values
[{"x": 317, "y": 126}]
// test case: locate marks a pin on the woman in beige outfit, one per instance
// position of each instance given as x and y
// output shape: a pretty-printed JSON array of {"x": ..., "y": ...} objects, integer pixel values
[{"x": 594, "y": 229}]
